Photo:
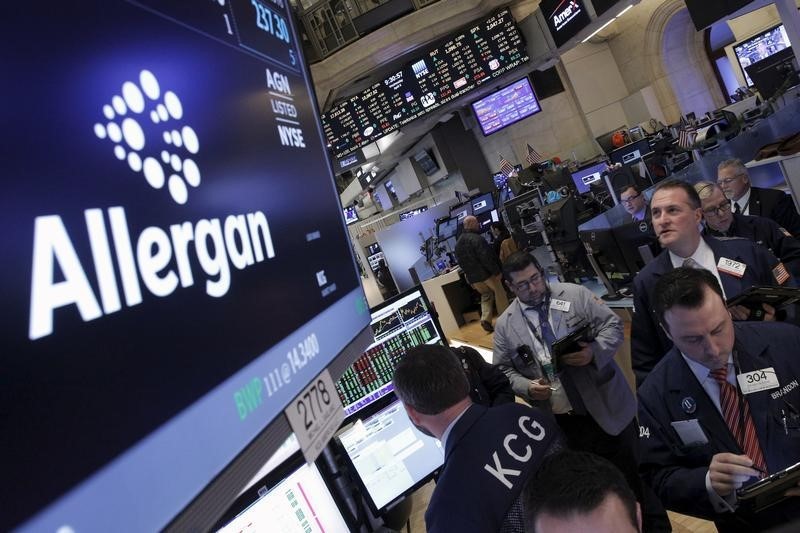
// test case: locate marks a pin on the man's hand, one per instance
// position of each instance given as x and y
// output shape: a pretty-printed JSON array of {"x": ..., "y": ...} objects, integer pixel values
[
  {"x": 581, "y": 358},
  {"x": 729, "y": 471},
  {"x": 539, "y": 389},
  {"x": 794, "y": 491},
  {"x": 740, "y": 312}
]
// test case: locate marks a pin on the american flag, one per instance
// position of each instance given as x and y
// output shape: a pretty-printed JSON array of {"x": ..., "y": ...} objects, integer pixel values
[
  {"x": 687, "y": 136},
  {"x": 505, "y": 166},
  {"x": 780, "y": 273},
  {"x": 533, "y": 157}
]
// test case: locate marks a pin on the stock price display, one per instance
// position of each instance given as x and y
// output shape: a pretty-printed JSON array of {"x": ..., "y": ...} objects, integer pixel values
[{"x": 474, "y": 56}]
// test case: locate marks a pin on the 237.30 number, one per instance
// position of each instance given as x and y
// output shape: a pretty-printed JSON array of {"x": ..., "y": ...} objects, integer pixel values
[{"x": 313, "y": 402}]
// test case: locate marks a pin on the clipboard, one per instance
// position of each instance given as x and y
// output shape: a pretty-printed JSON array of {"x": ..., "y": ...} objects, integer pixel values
[
  {"x": 769, "y": 491},
  {"x": 569, "y": 343},
  {"x": 753, "y": 297}
]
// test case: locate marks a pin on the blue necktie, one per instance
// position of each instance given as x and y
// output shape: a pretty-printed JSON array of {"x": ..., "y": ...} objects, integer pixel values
[{"x": 544, "y": 324}]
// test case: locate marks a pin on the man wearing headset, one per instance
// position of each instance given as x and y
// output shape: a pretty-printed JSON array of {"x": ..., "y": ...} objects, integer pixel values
[
  {"x": 720, "y": 410},
  {"x": 585, "y": 389}
]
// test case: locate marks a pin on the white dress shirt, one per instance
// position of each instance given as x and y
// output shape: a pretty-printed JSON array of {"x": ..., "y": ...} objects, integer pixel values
[{"x": 703, "y": 256}]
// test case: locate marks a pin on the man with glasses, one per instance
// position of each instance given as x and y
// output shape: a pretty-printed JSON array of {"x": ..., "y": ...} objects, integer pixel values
[
  {"x": 634, "y": 202},
  {"x": 734, "y": 181},
  {"x": 586, "y": 390},
  {"x": 721, "y": 221},
  {"x": 737, "y": 264}
]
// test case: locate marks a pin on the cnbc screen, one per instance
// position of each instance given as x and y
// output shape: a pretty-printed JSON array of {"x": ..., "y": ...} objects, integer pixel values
[{"x": 163, "y": 303}]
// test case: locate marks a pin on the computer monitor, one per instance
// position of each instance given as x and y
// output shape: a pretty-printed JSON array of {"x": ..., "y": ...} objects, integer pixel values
[
  {"x": 413, "y": 212},
  {"x": 560, "y": 220},
  {"x": 446, "y": 228},
  {"x": 759, "y": 47},
  {"x": 585, "y": 177},
  {"x": 350, "y": 215},
  {"x": 608, "y": 255},
  {"x": 779, "y": 69},
  {"x": 482, "y": 204},
  {"x": 630, "y": 238},
  {"x": 630, "y": 153},
  {"x": 398, "y": 324},
  {"x": 391, "y": 457},
  {"x": 156, "y": 286},
  {"x": 293, "y": 498},
  {"x": 460, "y": 211},
  {"x": 606, "y": 140}
]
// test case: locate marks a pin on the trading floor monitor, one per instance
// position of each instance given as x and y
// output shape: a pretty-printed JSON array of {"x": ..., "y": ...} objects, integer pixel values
[
  {"x": 390, "y": 456},
  {"x": 293, "y": 498},
  {"x": 399, "y": 324}
]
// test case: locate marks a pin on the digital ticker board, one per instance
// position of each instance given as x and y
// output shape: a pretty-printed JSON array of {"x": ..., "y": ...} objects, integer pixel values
[{"x": 476, "y": 55}]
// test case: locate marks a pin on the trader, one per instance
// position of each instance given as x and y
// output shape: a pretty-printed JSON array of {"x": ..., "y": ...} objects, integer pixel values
[
  {"x": 482, "y": 270},
  {"x": 580, "y": 492},
  {"x": 721, "y": 221},
  {"x": 720, "y": 409},
  {"x": 586, "y": 390},
  {"x": 489, "y": 452},
  {"x": 737, "y": 263},
  {"x": 635, "y": 203},
  {"x": 734, "y": 180}
]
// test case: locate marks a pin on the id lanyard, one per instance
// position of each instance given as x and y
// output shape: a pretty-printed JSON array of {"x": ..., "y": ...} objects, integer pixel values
[{"x": 545, "y": 360}]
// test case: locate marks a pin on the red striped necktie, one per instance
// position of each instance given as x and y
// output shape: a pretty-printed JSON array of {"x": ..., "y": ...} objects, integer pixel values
[{"x": 741, "y": 425}]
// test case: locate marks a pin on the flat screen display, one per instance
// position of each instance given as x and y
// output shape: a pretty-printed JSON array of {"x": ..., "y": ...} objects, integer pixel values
[
  {"x": 482, "y": 204},
  {"x": 414, "y": 212},
  {"x": 390, "y": 455},
  {"x": 630, "y": 153},
  {"x": 297, "y": 501},
  {"x": 461, "y": 211},
  {"x": 159, "y": 294},
  {"x": 585, "y": 177},
  {"x": 447, "y": 228},
  {"x": 564, "y": 18},
  {"x": 760, "y": 47},
  {"x": 398, "y": 324},
  {"x": 476, "y": 55},
  {"x": 507, "y": 106},
  {"x": 704, "y": 13},
  {"x": 350, "y": 215}
]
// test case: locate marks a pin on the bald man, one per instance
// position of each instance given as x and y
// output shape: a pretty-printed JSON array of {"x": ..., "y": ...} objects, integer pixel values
[{"x": 482, "y": 270}]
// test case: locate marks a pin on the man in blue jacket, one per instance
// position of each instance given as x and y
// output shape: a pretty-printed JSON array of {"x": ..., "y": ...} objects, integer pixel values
[
  {"x": 721, "y": 221},
  {"x": 720, "y": 410},
  {"x": 737, "y": 264},
  {"x": 489, "y": 452}
]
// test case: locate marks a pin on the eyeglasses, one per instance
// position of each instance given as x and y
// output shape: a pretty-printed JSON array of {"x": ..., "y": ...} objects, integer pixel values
[
  {"x": 524, "y": 284},
  {"x": 728, "y": 181},
  {"x": 721, "y": 209},
  {"x": 630, "y": 199}
]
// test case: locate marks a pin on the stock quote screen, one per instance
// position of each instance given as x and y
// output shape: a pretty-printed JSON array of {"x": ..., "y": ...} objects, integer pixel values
[
  {"x": 398, "y": 326},
  {"x": 474, "y": 56}
]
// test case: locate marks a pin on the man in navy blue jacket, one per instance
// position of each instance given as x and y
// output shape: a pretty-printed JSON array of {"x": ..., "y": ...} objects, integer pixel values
[
  {"x": 736, "y": 263},
  {"x": 489, "y": 452},
  {"x": 720, "y": 409}
]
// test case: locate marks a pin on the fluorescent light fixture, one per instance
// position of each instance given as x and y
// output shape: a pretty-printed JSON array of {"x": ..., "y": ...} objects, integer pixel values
[
  {"x": 623, "y": 11},
  {"x": 598, "y": 30}
]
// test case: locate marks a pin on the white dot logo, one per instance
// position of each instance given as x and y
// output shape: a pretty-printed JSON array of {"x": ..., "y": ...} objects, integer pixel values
[{"x": 165, "y": 159}]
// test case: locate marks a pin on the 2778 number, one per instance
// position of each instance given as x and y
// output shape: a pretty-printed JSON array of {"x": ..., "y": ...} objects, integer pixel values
[{"x": 313, "y": 402}]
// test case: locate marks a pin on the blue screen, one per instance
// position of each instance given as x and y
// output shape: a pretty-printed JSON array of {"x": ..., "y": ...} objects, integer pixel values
[{"x": 163, "y": 302}]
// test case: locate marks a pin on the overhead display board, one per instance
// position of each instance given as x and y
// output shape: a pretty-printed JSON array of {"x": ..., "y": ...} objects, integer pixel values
[
  {"x": 564, "y": 18},
  {"x": 474, "y": 56},
  {"x": 506, "y": 106},
  {"x": 176, "y": 268}
]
